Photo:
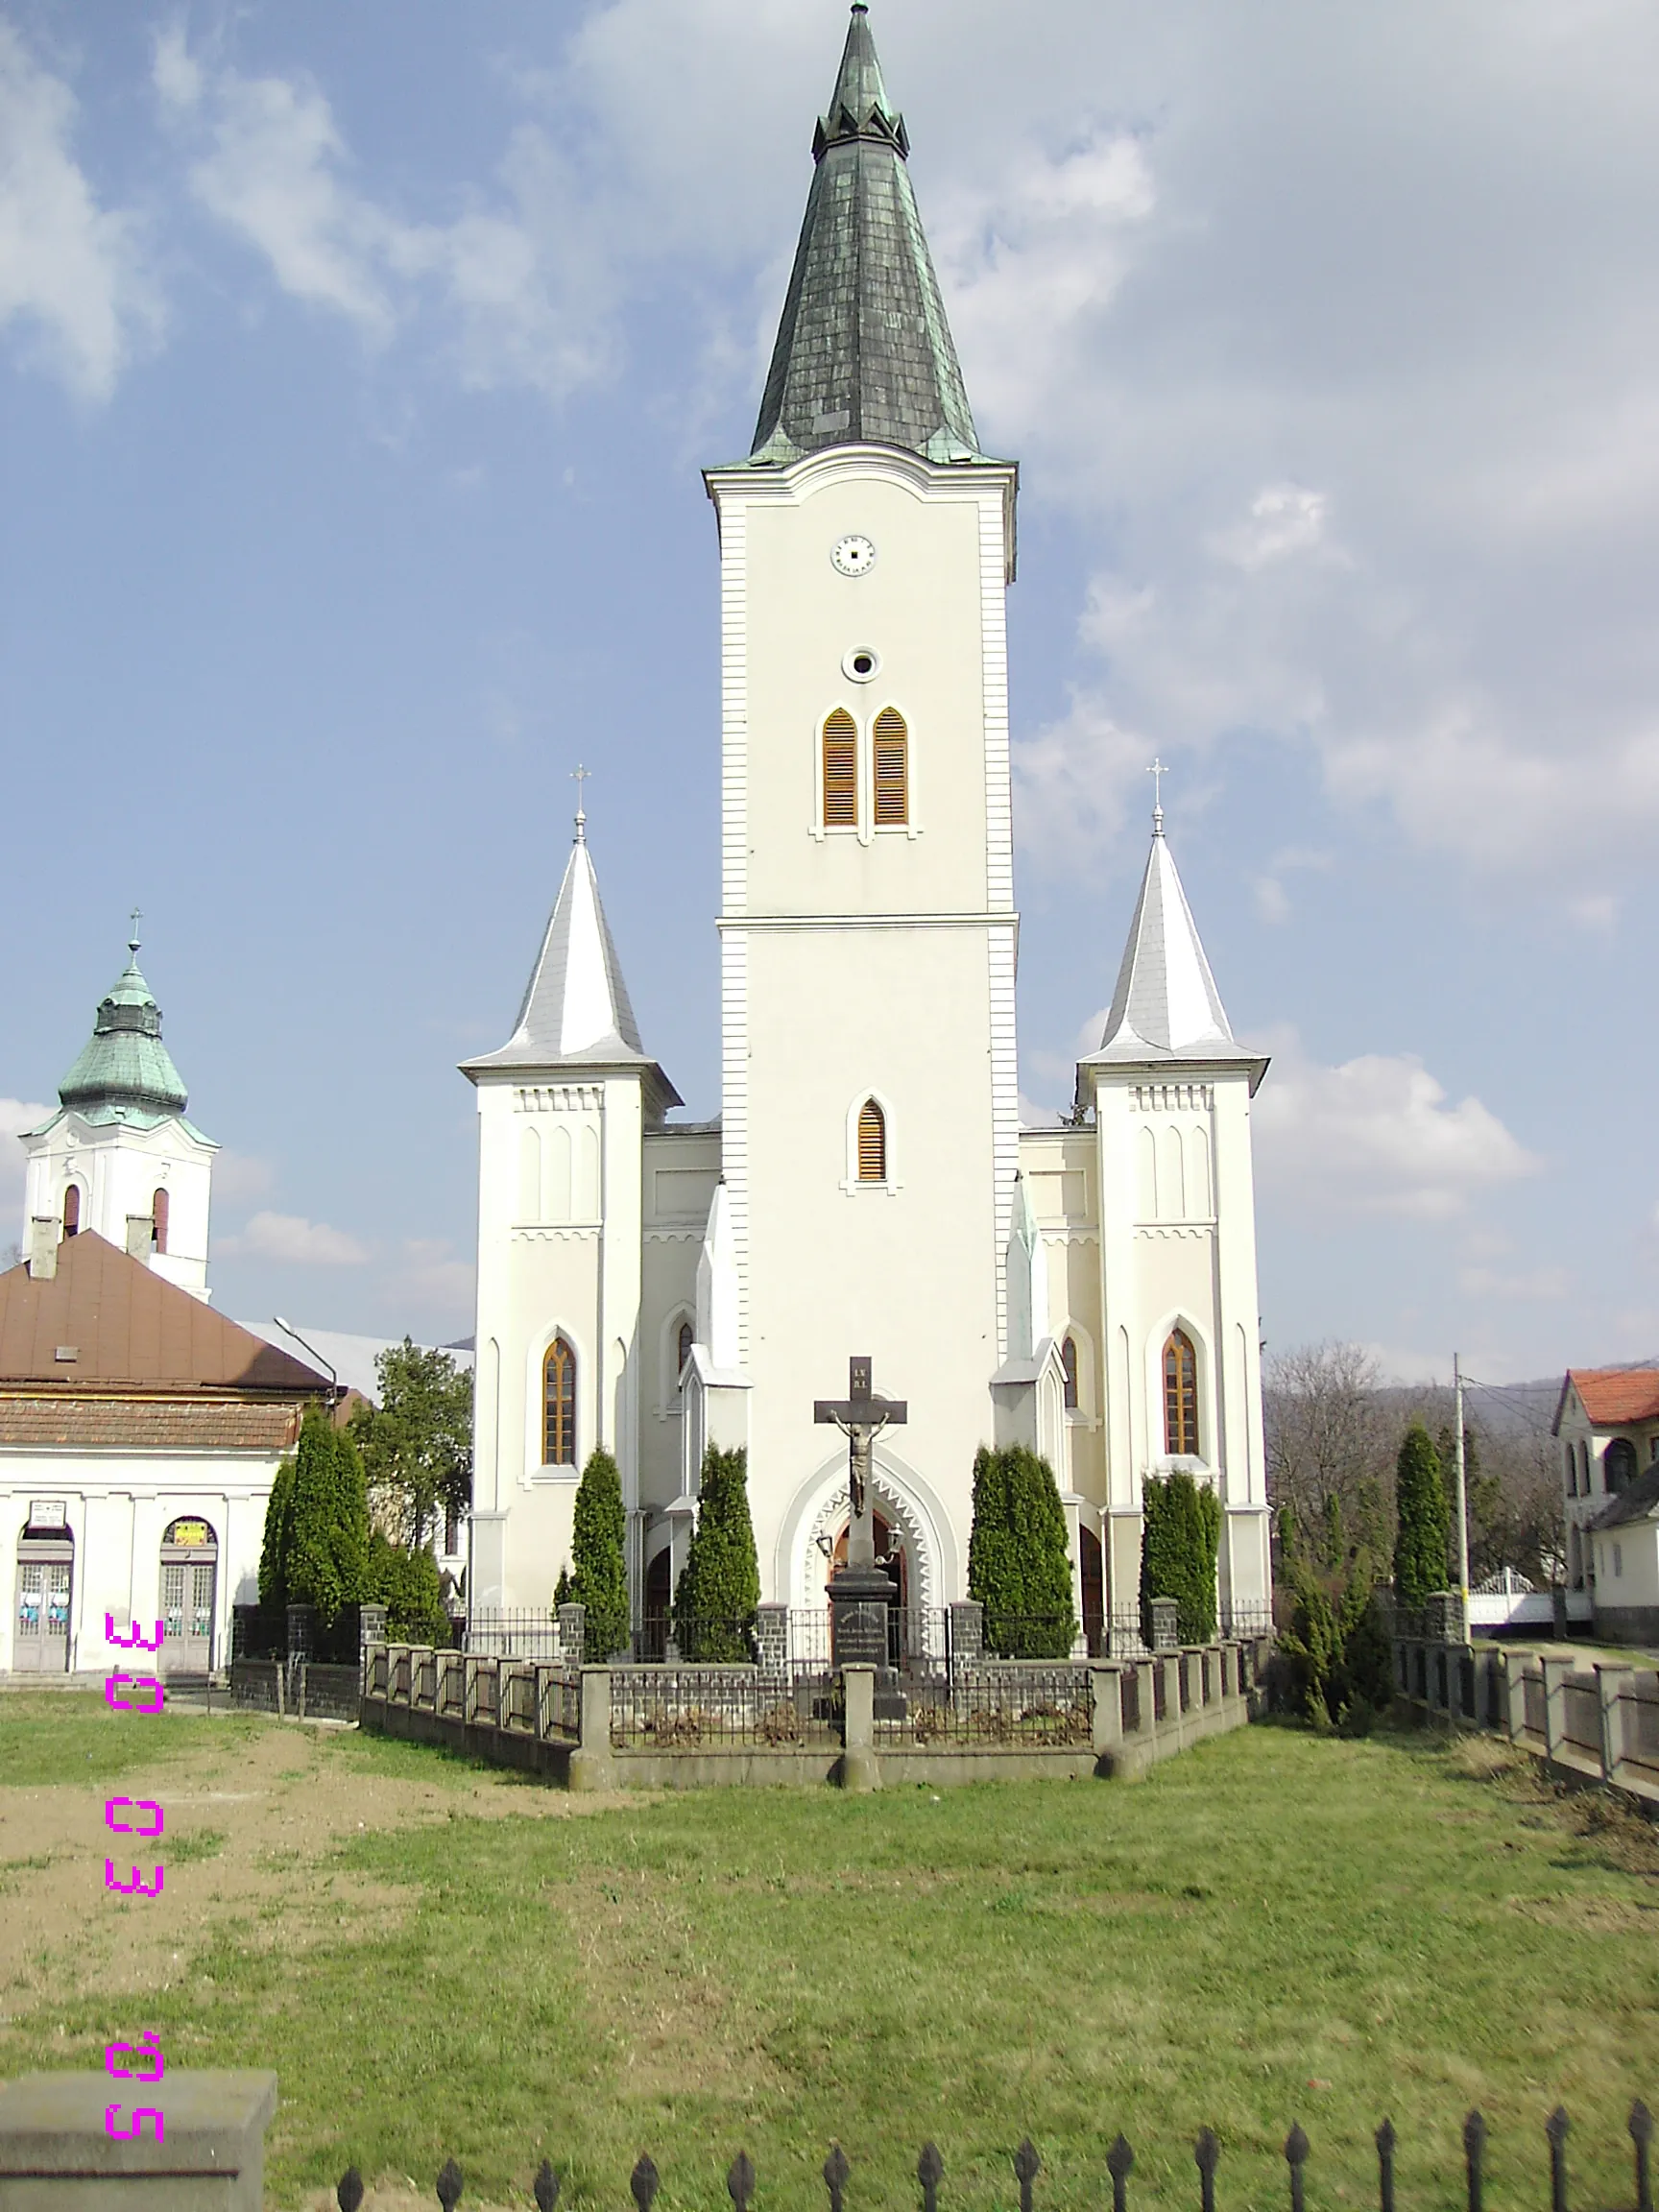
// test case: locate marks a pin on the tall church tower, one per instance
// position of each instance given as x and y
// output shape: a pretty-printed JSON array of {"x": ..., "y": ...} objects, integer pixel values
[
  {"x": 119, "y": 1158},
  {"x": 870, "y": 1128}
]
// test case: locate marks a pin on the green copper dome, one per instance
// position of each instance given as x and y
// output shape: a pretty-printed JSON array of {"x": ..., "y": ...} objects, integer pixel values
[{"x": 123, "y": 1072}]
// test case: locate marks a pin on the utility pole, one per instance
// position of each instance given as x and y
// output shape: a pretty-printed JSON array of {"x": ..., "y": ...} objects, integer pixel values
[{"x": 1462, "y": 1485}]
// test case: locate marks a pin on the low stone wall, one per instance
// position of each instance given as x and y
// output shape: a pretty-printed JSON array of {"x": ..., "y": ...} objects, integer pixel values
[
  {"x": 685, "y": 1728},
  {"x": 1594, "y": 1724}
]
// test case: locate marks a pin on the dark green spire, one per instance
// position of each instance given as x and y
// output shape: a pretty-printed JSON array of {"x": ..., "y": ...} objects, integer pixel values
[
  {"x": 864, "y": 354},
  {"x": 123, "y": 1072}
]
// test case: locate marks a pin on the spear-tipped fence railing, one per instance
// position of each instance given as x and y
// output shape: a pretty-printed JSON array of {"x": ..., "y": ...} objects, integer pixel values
[{"x": 644, "y": 2181}]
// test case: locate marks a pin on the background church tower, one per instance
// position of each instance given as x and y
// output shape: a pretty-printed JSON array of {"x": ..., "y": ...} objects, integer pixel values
[
  {"x": 119, "y": 1158},
  {"x": 869, "y": 1125}
]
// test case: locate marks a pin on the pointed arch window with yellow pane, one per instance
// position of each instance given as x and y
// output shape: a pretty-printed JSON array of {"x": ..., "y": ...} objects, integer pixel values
[{"x": 1180, "y": 1396}]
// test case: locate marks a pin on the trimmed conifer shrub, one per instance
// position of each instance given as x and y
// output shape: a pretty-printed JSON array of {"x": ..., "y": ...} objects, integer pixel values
[
  {"x": 407, "y": 1584},
  {"x": 1018, "y": 1557},
  {"x": 1422, "y": 1520},
  {"x": 720, "y": 1583},
  {"x": 279, "y": 1540},
  {"x": 328, "y": 1552},
  {"x": 1180, "y": 1543},
  {"x": 599, "y": 1580}
]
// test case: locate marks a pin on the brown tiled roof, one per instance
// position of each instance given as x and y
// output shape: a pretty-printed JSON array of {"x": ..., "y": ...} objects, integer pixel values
[
  {"x": 127, "y": 1323},
  {"x": 77, "y": 1420},
  {"x": 1612, "y": 1396}
]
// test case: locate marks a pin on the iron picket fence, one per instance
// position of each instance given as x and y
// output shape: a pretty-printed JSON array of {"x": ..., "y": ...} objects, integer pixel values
[
  {"x": 1017, "y": 1706},
  {"x": 644, "y": 2182},
  {"x": 511, "y": 1633}
]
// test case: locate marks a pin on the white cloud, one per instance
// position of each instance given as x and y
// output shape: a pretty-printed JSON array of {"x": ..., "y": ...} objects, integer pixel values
[
  {"x": 239, "y": 1177},
  {"x": 430, "y": 1275},
  {"x": 1539, "y": 1283},
  {"x": 525, "y": 288},
  {"x": 15, "y": 1115},
  {"x": 1035, "y": 1117},
  {"x": 1284, "y": 520},
  {"x": 1377, "y": 1135},
  {"x": 290, "y": 1240},
  {"x": 73, "y": 274}
]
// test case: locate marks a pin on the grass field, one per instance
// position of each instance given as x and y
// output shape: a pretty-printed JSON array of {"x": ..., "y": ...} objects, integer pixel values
[{"x": 438, "y": 1959}]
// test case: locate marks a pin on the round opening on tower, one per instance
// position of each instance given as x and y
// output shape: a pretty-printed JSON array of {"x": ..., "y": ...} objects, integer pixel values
[{"x": 864, "y": 664}]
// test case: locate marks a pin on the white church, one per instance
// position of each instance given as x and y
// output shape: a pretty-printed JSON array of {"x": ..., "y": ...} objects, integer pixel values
[{"x": 652, "y": 1287}]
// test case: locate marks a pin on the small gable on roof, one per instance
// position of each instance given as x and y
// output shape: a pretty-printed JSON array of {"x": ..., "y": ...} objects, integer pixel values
[
  {"x": 124, "y": 1323},
  {"x": 1610, "y": 1397}
]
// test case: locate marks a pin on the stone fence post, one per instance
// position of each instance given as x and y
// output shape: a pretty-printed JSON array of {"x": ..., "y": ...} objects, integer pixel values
[
  {"x": 54, "y": 2149},
  {"x": 302, "y": 1632},
  {"x": 772, "y": 1648},
  {"x": 1165, "y": 1613},
  {"x": 1106, "y": 1695},
  {"x": 572, "y": 1622},
  {"x": 1612, "y": 1680},
  {"x": 370, "y": 1630},
  {"x": 967, "y": 1632},
  {"x": 858, "y": 1769},
  {"x": 1555, "y": 1671},
  {"x": 592, "y": 1766},
  {"x": 1145, "y": 1708}
]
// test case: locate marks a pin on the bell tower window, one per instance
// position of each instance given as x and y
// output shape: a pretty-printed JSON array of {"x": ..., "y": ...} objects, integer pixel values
[
  {"x": 892, "y": 770},
  {"x": 158, "y": 1210},
  {"x": 72, "y": 1210},
  {"x": 872, "y": 1143},
  {"x": 1180, "y": 1395},
  {"x": 840, "y": 771}
]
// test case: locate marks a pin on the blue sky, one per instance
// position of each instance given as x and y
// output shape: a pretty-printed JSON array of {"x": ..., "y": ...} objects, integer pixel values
[{"x": 357, "y": 366}]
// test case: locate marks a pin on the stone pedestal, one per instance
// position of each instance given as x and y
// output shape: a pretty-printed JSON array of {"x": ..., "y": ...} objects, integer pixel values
[
  {"x": 858, "y": 1769},
  {"x": 56, "y": 2156}
]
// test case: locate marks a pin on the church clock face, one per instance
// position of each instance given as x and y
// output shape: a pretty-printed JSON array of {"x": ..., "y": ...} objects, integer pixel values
[{"x": 852, "y": 556}]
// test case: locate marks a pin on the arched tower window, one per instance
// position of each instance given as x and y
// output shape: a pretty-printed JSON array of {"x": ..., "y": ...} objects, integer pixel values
[
  {"x": 1620, "y": 1463},
  {"x": 840, "y": 771},
  {"x": 559, "y": 1406},
  {"x": 1069, "y": 1368},
  {"x": 892, "y": 770},
  {"x": 1180, "y": 1394},
  {"x": 872, "y": 1143},
  {"x": 158, "y": 1210},
  {"x": 682, "y": 1347},
  {"x": 72, "y": 1210}
]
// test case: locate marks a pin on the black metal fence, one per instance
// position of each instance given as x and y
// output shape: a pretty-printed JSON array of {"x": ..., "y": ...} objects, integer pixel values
[
  {"x": 718, "y": 1709},
  {"x": 644, "y": 2182},
  {"x": 511, "y": 1633}
]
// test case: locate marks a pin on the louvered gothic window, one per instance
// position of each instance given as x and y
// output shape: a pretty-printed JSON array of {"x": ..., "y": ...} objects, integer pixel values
[
  {"x": 158, "y": 1221},
  {"x": 872, "y": 1143},
  {"x": 559, "y": 1402},
  {"x": 1068, "y": 1369},
  {"x": 1180, "y": 1395},
  {"x": 840, "y": 771},
  {"x": 892, "y": 769}
]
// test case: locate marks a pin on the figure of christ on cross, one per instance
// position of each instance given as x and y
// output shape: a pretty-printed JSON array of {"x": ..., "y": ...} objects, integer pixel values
[{"x": 860, "y": 1416}]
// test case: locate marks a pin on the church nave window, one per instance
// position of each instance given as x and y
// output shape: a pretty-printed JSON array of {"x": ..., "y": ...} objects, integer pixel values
[
  {"x": 1180, "y": 1395},
  {"x": 872, "y": 1143},
  {"x": 558, "y": 1400},
  {"x": 840, "y": 771},
  {"x": 1068, "y": 1369},
  {"x": 892, "y": 747}
]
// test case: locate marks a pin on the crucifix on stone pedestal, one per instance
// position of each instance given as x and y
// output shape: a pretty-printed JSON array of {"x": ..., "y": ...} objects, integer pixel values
[{"x": 860, "y": 1591}]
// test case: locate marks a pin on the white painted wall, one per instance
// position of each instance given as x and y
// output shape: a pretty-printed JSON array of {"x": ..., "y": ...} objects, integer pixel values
[{"x": 117, "y": 1506}]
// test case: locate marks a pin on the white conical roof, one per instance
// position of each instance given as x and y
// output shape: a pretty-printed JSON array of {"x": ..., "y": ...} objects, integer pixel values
[
  {"x": 575, "y": 1006},
  {"x": 1165, "y": 1006}
]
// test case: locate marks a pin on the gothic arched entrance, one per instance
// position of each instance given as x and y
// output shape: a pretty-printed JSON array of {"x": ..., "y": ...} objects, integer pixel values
[{"x": 893, "y": 1557}]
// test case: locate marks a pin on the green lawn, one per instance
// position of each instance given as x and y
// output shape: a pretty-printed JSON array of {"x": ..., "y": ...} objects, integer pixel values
[{"x": 1274, "y": 1927}]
